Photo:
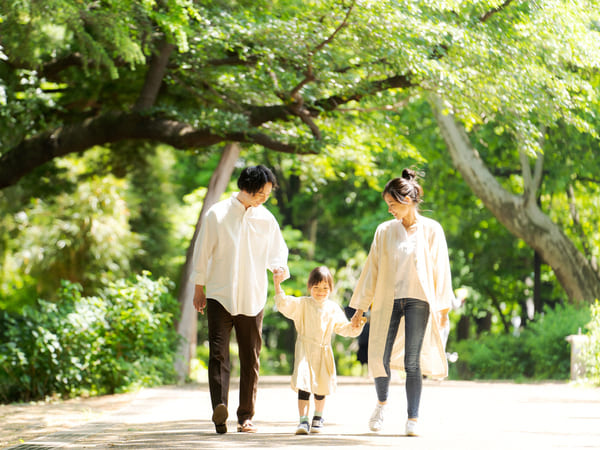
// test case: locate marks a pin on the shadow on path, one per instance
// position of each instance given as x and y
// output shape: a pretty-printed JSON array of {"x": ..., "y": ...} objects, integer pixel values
[{"x": 454, "y": 415}]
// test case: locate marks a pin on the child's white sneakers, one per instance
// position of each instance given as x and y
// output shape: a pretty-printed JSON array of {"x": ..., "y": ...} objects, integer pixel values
[
  {"x": 376, "y": 420},
  {"x": 303, "y": 428}
]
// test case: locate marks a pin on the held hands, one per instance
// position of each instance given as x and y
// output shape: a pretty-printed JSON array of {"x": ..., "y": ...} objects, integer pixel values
[
  {"x": 358, "y": 319},
  {"x": 279, "y": 276}
]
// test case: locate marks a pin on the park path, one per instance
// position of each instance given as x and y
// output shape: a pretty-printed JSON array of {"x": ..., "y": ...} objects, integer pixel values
[{"x": 454, "y": 415}]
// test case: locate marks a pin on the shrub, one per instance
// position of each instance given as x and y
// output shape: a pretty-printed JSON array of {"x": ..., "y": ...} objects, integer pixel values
[
  {"x": 548, "y": 352},
  {"x": 590, "y": 352},
  {"x": 539, "y": 352},
  {"x": 122, "y": 339},
  {"x": 489, "y": 357}
]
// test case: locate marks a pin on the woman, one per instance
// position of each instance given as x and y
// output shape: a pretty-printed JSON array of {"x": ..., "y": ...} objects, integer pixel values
[{"x": 406, "y": 281}]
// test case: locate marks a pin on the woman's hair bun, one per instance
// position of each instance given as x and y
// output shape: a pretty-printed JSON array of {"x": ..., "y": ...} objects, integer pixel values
[{"x": 409, "y": 174}]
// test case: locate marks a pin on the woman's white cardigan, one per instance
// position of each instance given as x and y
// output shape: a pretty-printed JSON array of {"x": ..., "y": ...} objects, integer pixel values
[{"x": 375, "y": 289}]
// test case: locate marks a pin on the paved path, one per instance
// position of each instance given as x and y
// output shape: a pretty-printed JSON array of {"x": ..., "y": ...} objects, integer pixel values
[{"x": 454, "y": 415}]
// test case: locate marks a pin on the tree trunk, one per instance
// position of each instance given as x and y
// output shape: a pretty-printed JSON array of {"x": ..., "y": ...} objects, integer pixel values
[
  {"x": 154, "y": 76},
  {"x": 520, "y": 214},
  {"x": 537, "y": 283},
  {"x": 187, "y": 326}
]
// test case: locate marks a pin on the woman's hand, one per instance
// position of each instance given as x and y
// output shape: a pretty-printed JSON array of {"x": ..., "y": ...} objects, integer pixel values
[
  {"x": 443, "y": 318},
  {"x": 357, "y": 318}
]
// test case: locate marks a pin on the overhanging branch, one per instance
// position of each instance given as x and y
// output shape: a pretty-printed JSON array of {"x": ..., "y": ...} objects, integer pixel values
[
  {"x": 485, "y": 17},
  {"x": 111, "y": 128}
]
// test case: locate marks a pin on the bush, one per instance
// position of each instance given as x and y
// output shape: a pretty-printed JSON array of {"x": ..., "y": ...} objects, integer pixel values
[
  {"x": 539, "y": 352},
  {"x": 590, "y": 352},
  {"x": 122, "y": 339},
  {"x": 489, "y": 357},
  {"x": 547, "y": 351}
]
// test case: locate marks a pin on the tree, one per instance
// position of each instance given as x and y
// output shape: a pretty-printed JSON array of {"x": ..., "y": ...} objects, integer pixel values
[
  {"x": 278, "y": 74},
  {"x": 521, "y": 214}
]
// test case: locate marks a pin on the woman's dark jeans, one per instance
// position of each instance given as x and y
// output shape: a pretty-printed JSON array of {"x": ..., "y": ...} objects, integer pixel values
[{"x": 416, "y": 315}]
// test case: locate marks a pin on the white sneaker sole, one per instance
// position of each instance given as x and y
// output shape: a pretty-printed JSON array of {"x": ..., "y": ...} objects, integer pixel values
[{"x": 375, "y": 428}]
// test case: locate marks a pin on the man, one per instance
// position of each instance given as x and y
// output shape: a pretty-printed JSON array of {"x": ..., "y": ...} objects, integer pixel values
[{"x": 239, "y": 240}]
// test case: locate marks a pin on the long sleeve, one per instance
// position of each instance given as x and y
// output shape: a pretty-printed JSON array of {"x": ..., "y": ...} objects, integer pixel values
[
  {"x": 364, "y": 292},
  {"x": 205, "y": 243},
  {"x": 278, "y": 251},
  {"x": 442, "y": 279},
  {"x": 288, "y": 306},
  {"x": 343, "y": 326}
]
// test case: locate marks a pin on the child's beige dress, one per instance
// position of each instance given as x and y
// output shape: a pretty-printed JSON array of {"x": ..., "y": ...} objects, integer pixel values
[{"x": 314, "y": 366}]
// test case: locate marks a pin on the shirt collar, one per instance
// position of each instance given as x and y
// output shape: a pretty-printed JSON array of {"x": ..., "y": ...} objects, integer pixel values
[{"x": 237, "y": 202}]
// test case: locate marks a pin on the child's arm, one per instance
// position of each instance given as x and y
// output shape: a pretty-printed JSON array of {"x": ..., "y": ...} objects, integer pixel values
[
  {"x": 278, "y": 277},
  {"x": 286, "y": 304},
  {"x": 347, "y": 328}
]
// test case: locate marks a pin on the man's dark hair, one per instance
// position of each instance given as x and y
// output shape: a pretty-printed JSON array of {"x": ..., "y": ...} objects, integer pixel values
[{"x": 253, "y": 179}]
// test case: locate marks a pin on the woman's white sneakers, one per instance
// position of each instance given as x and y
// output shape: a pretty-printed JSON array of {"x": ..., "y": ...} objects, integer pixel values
[
  {"x": 411, "y": 427},
  {"x": 376, "y": 420}
]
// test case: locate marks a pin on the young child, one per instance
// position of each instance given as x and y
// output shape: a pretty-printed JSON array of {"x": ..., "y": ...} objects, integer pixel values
[{"x": 316, "y": 318}]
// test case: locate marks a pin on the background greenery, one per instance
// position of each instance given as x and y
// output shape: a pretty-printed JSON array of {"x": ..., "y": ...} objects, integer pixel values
[{"x": 121, "y": 339}]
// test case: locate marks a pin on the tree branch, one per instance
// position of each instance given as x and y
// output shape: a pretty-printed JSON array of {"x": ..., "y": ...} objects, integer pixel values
[
  {"x": 333, "y": 102},
  {"x": 529, "y": 191},
  {"x": 259, "y": 115},
  {"x": 234, "y": 60},
  {"x": 110, "y": 128},
  {"x": 154, "y": 76},
  {"x": 335, "y": 32},
  {"x": 298, "y": 106},
  {"x": 494, "y": 11},
  {"x": 532, "y": 181}
]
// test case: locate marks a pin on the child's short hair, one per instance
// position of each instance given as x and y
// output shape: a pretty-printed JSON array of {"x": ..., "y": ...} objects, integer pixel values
[{"x": 319, "y": 274}]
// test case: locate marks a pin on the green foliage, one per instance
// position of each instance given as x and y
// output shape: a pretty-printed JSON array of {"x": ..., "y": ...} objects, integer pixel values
[
  {"x": 544, "y": 341},
  {"x": 120, "y": 340},
  {"x": 590, "y": 353},
  {"x": 539, "y": 352},
  {"x": 153, "y": 216},
  {"x": 344, "y": 350},
  {"x": 82, "y": 236},
  {"x": 489, "y": 357},
  {"x": 275, "y": 361}
]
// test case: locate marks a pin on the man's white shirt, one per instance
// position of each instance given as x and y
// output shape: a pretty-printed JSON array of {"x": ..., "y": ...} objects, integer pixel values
[{"x": 233, "y": 251}]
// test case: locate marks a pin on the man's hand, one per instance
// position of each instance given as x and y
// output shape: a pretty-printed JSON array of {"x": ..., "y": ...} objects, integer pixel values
[
  {"x": 278, "y": 277},
  {"x": 199, "y": 298}
]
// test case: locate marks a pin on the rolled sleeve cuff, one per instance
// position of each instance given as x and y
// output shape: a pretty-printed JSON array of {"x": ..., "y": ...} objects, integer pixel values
[{"x": 199, "y": 279}]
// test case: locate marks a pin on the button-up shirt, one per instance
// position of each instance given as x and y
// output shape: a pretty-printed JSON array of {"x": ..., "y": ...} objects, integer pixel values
[{"x": 234, "y": 249}]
